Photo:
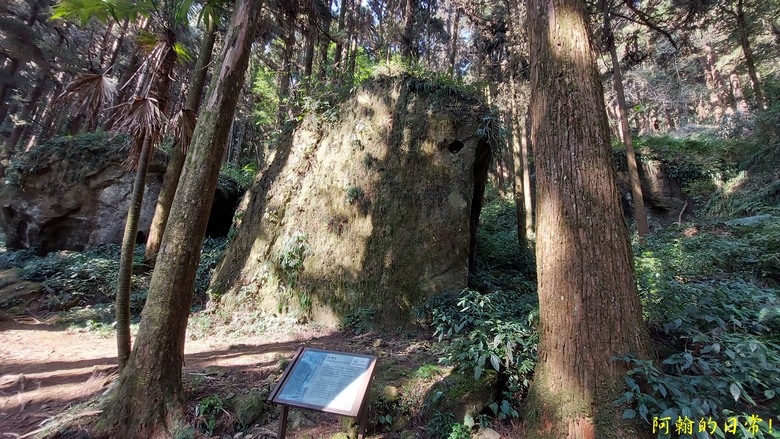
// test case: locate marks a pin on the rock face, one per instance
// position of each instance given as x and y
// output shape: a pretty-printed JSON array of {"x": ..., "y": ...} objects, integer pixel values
[
  {"x": 72, "y": 193},
  {"x": 663, "y": 194},
  {"x": 373, "y": 211}
]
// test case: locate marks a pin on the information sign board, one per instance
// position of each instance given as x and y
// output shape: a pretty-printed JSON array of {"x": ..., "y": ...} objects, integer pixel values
[{"x": 327, "y": 381}]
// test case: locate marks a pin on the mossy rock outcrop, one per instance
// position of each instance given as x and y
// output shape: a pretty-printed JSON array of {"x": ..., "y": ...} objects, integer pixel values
[
  {"x": 374, "y": 209},
  {"x": 461, "y": 395},
  {"x": 72, "y": 193}
]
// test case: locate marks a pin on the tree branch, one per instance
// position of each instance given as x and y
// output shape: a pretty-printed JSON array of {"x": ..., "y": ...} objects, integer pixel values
[{"x": 646, "y": 20}]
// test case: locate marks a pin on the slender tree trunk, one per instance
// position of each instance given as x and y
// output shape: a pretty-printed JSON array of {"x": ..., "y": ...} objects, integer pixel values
[
  {"x": 117, "y": 48},
  {"x": 340, "y": 36},
  {"x": 409, "y": 37},
  {"x": 719, "y": 98},
  {"x": 176, "y": 162},
  {"x": 454, "y": 36},
  {"x": 410, "y": 34},
  {"x": 589, "y": 308},
  {"x": 527, "y": 193},
  {"x": 308, "y": 60},
  {"x": 517, "y": 169},
  {"x": 16, "y": 134},
  {"x": 750, "y": 62},
  {"x": 6, "y": 84},
  {"x": 126, "y": 258},
  {"x": 160, "y": 71},
  {"x": 323, "y": 67},
  {"x": 353, "y": 50},
  {"x": 739, "y": 95},
  {"x": 640, "y": 216},
  {"x": 149, "y": 401},
  {"x": 285, "y": 77},
  {"x": 104, "y": 45}
]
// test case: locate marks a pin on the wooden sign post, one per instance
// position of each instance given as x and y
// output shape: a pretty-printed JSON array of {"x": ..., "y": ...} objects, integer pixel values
[{"x": 326, "y": 381}]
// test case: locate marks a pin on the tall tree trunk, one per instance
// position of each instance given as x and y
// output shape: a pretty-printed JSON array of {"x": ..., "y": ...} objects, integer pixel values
[
  {"x": 149, "y": 401},
  {"x": 454, "y": 35},
  {"x": 176, "y": 162},
  {"x": 410, "y": 33},
  {"x": 517, "y": 168},
  {"x": 285, "y": 76},
  {"x": 128, "y": 250},
  {"x": 589, "y": 308},
  {"x": 6, "y": 85},
  {"x": 16, "y": 134},
  {"x": 719, "y": 98},
  {"x": 308, "y": 60},
  {"x": 750, "y": 62},
  {"x": 640, "y": 216},
  {"x": 160, "y": 72},
  {"x": 117, "y": 47},
  {"x": 527, "y": 194},
  {"x": 337, "y": 56},
  {"x": 323, "y": 67},
  {"x": 104, "y": 45},
  {"x": 739, "y": 95}
]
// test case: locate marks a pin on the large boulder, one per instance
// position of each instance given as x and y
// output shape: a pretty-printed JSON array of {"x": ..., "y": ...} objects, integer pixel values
[
  {"x": 371, "y": 207},
  {"x": 72, "y": 193}
]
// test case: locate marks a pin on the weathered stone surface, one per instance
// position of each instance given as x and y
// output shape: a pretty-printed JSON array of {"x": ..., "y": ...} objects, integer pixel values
[
  {"x": 375, "y": 210},
  {"x": 16, "y": 291},
  {"x": 486, "y": 433},
  {"x": 72, "y": 193},
  {"x": 251, "y": 408},
  {"x": 663, "y": 195},
  {"x": 461, "y": 395}
]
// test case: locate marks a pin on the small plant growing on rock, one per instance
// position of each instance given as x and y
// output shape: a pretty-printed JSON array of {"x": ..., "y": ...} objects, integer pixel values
[{"x": 354, "y": 194}]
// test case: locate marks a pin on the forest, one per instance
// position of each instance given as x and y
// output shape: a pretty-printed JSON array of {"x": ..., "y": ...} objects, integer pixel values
[{"x": 522, "y": 219}]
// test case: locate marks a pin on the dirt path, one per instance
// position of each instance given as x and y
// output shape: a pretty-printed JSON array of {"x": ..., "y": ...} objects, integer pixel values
[{"x": 46, "y": 369}]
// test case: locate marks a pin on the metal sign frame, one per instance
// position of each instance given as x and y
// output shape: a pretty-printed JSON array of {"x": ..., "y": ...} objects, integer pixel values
[{"x": 360, "y": 398}]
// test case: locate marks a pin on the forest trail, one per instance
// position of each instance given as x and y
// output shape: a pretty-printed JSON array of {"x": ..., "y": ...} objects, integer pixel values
[{"x": 46, "y": 369}]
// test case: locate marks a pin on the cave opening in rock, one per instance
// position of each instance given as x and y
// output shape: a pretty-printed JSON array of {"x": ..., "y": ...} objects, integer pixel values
[
  {"x": 455, "y": 146},
  {"x": 222, "y": 211}
]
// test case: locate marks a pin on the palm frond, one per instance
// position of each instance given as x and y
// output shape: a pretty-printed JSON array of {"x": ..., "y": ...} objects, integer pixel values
[
  {"x": 89, "y": 92},
  {"x": 183, "y": 125},
  {"x": 142, "y": 119}
]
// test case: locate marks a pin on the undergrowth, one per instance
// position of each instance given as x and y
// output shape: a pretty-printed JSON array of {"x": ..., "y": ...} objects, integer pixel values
[
  {"x": 80, "y": 286},
  {"x": 712, "y": 302}
]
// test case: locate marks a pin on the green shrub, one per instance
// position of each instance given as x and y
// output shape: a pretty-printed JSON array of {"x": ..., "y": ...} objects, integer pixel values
[
  {"x": 242, "y": 176},
  {"x": 710, "y": 302},
  {"x": 492, "y": 330}
]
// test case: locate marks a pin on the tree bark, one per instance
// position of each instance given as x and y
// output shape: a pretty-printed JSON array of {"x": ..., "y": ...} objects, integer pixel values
[
  {"x": 285, "y": 76},
  {"x": 160, "y": 88},
  {"x": 6, "y": 85},
  {"x": 149, "y": 401},
  {"x": 640, "y": 216},
  {"x": 588, "y": 303},
  {"x": 527, "y": 193},
  {"x": 454, "y": 43},
  {"x": 719, "y": 98},
  {"x": 337, "y": 56},
  {"x": 126, "y": 258},
  {"x": 517, "y": 170},
  {"x": 308, "y": 60},
  {"x": 16, "y": 134},
  {"x": 747, "y": 51},
  {"x": 178, "y": 153},
  {"x": 409, "y": 36}
]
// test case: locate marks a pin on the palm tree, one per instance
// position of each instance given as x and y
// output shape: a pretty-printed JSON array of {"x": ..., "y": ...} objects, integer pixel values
[{"x": 143, "y": 115}]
